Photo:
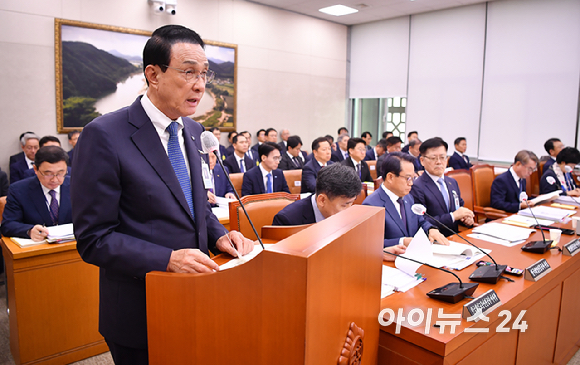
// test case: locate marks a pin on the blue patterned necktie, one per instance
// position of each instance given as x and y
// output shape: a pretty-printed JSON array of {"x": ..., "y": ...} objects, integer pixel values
[
  {"x": 403, "y": 213},
  {"x": 269, "y": 183},
  {"x": 53, "y": 207},
  {"x": 444, "y": 192},
  {"x": 242, "y": 166},
  {"x": 178, "y": 163}
]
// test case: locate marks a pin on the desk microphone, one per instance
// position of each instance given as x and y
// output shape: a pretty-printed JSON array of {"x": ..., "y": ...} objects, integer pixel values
[
  {"x": 535, "y": 246},
  {"x": 484, "y": 274},
  {"x": 209, "y": 144},
  {"x": 452, "y": 292}
]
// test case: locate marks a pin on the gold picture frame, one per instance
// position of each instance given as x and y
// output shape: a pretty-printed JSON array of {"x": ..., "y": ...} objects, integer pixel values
[{"x": 96, "y": 78}]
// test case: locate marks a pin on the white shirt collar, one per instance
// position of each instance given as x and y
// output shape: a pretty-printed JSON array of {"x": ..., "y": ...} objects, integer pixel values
[
  {"x": 355, "y": 163},
  {"x": 317, "y": 215},
  {"x": 459, "y": 153},
  {"x": 320, "y": 163},
  {"x": 553, "y": 158},
  {"x": 515, "y": 176},
  {"x": 264, "y": 172},
  {"x": 47, "y": 196},
  {"x": 157, "y": 117},
  {"x": 344, "y": 153},
  {"x": 29, "y": 162},
  {"x": 433, "y": 177},
  {"x": 394, "y": 197},
  {"x": 238, "y": 158}
]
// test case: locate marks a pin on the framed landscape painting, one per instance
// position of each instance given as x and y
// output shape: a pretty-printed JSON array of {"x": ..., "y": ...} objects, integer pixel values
[{"x": 99, "y": 69}]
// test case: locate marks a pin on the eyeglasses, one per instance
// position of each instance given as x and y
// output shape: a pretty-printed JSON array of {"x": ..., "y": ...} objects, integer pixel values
[
  {"x": 531, "y": 169},
  {"x": 277, "y": 158},
  {"x": 436, "y": 158},
  {"x": 59, "y": 175},
  {"x": 409, "y": 179},
  {"x": 192, "y": 77}
]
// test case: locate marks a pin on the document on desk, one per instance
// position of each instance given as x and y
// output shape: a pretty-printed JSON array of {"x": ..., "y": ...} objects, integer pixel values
[
  {"x": 220, "y": 212},
  {"x": 502, "y": 234},
  {"x": 396, "y": 280},
  {"x": 550, "y": 213},
  {"x": 419, "y": 249},
  {"x": 456, "y": 256},
  {"x": 526, "y": 222},
  {"x": 26, "y": 242},
  {"x": 224, "y": 202},
  {"x": 237, "y": 262},
  {"x": 546, "y": 197},
  {"x": 60, "y": 233},
  {"x": 568, "y": 200}
]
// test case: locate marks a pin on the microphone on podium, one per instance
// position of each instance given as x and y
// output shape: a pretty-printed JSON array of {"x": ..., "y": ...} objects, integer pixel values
[
  {"x": 535, "y": 246},
  {"x": 452, "y": 292},
  {"x": 209, "y": 144},
  {"x": 484, "y": 274}
]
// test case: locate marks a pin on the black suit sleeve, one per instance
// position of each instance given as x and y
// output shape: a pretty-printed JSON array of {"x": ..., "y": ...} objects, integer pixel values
[
  {"x": 4, "y": 185},
  {"x": 247, "y": 185},
  {"x": 499, "y": 199}
]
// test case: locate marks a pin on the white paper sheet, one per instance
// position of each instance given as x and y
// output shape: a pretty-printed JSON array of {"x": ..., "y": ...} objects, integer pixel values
[
  {"x": 546, "y": 197},
  {"x": 527, "y": 221},
  {"x": 236, "y": 262},
  {"x": 550, "y": 213},
  {"x": 221, "y": 212},
  {"x": 419, "y": 249},
  {"x": 396, "y": 280},
  {"x": 504, "y": 231},
  {"x": 495, "y": 240}
]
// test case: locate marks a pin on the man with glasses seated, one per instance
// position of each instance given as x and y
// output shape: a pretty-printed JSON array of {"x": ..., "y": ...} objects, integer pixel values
[
  {"x": 438, "y": 193},
  {"x": 507, "y": 188},
  {"x": 356, "y": 153},
  {"x": 267, "y": 178},
  {"x": 39, "y": 201},
  {"x": 21, "y": 169},
  {"x": 401, "y": 224}
]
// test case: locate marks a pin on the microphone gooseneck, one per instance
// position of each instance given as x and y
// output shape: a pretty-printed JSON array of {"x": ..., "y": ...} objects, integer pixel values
[{"x": 524, "y": 198}]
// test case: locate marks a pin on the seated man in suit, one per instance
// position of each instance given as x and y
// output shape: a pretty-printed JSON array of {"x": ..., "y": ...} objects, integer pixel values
[
  {"x": 553, "y": 146},
  {"x": 266, "y": 178},
  {"x": 250, "y": 153},
  {"x": 230, "y": 148},
  {"x": 217, "y": 133},
  {"x": 561, "y": 179},
  {"x": 439, "y": 193},
  {"x": 337, "y": 187},
  {"x": 219, "y": 181},
  {"x": 356, "y": 152},
  {"x": 414, "y": 150},
  {"x": 507, "y": 188},
  {"x": 321, "y": 157},
  {"x": 284, "y": 134},
  {"x": 291, "y": 158},
  {"x": 41, "y": 200},
  {"x": 393, "y": 145},
  {"x": 374, "y": 153},
  {"x": 459, "y": 160},
  {"x": 410, "y": 136},
  {"x": 23, "y": 168},
  {"x": 239, "y": 161},
  {"x": 368, "y": 138},
  {"x": 401, "y": 224},
  {"x": 271, "y": 135},
  {"x": 261, "y": 135},
  {"x": 73, "y": 137},
  {"x": 341, "y": 152},
  {"x": 20, "y": 155}
]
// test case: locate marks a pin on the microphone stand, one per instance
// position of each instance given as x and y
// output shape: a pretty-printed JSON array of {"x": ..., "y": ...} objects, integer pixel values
[{"x": 537, "y": 246}]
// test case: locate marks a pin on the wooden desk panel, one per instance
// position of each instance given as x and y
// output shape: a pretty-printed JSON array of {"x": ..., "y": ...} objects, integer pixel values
[{"x": 53, "y": 302}]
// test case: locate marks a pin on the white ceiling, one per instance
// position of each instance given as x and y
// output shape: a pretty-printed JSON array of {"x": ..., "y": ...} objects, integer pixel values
[{"x": 368, "y": 10}]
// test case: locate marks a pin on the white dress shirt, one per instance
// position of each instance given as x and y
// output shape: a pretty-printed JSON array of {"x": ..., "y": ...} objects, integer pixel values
[
  {"x": 48, "y": 198},
  {"x": 238, "y": 159},
  {"x": 394, "y": 197},
  {"x": 29, "y": 162},
  {"x": 435, "y": 180},
  {"x": 265, "y": 178}
]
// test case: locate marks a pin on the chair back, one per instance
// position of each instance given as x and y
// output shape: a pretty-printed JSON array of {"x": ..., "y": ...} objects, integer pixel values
[
  {"x": 261, "y": 208},
  {"x": 237, "y": 180},
  {"x": 278, "y": 233},
  {"x": 373, "y": 168},
  {"x": 463, "y": 178},
  {"x": 482, "y": 177},
  {"x": 293, "y": 179}
]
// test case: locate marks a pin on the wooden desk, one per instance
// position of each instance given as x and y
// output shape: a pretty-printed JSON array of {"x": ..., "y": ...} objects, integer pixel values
[
  {"x": 53, "y": 298},
  {"x": 553, "y": 334}
]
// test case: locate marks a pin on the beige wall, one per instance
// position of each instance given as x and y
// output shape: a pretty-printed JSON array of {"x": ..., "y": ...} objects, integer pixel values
[{"x": 291, "y": 68}]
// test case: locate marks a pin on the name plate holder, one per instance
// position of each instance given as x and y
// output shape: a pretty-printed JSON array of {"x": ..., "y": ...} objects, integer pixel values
[
  {"x": 571, "y": 248},
  {"x": 537, "y": 270},
  {"x": 485, "y": 304}
]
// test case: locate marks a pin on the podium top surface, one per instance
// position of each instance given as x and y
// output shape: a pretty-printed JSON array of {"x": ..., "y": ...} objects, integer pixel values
[{"x": 18, "y": 252}]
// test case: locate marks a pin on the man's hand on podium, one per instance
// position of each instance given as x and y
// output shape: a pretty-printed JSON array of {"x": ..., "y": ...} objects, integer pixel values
[
  {"x": 191, "y": 260},
  {"x": 397, "y": 250},
  {"x": 242, "y": 244}
]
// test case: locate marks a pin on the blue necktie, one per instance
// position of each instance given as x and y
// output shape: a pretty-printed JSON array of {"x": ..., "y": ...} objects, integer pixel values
[
  {"x": 358, "y": 170},
  {"x": 53, "y": 207},
  {"x": 444, "y": 192},
  {"x": 242, "y": 166},
  {"x": 178, "y": 163},
  {"x": 269, "y": 183},
  {"x": 403, "y": 213}
]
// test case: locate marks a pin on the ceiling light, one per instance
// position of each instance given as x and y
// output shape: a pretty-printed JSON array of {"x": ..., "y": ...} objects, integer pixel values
[{"x": 338, "y": 10}]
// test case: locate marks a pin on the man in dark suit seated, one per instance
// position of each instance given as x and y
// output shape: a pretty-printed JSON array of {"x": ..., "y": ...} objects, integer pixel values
[
  {"x": 374, "y": 153},
  {"x": 239, "y": 161},
  {"x": 73, "y": 137},
  {"x": 356, "y": 152},
  {"x": 284, "y": 134},
  {"x": 341, "y": 152},
  {"x": 20, "y": 155},
  {"x": 230, "y": 148},
  {"x": 266, "y": 178},
  {"x": 401, "y": 224},
  {"x": 217, "y": 133},
  {"x": 507, "y": 188},
  {"x": 261, "y": 135},
  {"x": 22, "y": 169},
  {"x": 250, "y": 153},
  {"x": 557, "y": 177},
  {"x": 414, "y": 150},
  {"x": 410, "y": 136},
  {"x": 219, "y": 181},
  {"x": 291, "y": 158},
  {"x": 553, "y": 146},
  {"x": 41, "y": 200},
  {"x": 271, "y": 135},
  {"x": 459, "y": 160},
  {"x": 393, "y": 145},
  {"x": 320, "y": 158},
  {"x": 439, "y": 193},
  {"x": 368, "y": 138}
]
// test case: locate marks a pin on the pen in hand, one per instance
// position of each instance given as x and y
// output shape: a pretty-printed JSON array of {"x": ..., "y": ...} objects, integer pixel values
[{"x": 234, "y": 247}]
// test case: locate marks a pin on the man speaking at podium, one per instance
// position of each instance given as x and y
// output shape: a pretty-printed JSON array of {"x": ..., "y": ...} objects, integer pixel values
[{"x": 139, "y": 203}]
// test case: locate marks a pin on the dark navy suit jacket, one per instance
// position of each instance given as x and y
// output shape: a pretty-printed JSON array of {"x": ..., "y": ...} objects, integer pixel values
[
  {"x": 71, "y": 155},
  {"x": 20, "y": 171},
  {"x": 26, "y": 207},
  {"x": 417, "y": 164},
  {"x": 505, "y": 194},
  {"x": 254, "y": 183},
  {"x": 223, "y": 152},
  {"x": 232, "y": 164},
  {"x": 458, "y": 163},
  {"x": 309, "y": 174},
  {"x": 286, "y": 163},
  {"x": 547, "y": 165},
  {"x": 546, "y": 187},
  {"x": 4, "y": 184},
  {"x": 130, "y": 213},
  {"x": 220, "y": 180},
  {"x": 370, "y": 155},
  {"x": 17, "y": 157},
  {"x": 337, "y": 155},
  {"x": 229, "y": 150},
  {"x": 365, "y": 171},
  {"x": 295, "y": 214},
  {"x": 255, "y": 157},
  {"x": 427, "y": 193},
  {"x": 394, "y": 228}
]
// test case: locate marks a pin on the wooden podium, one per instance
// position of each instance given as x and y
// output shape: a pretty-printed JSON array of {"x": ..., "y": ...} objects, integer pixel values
[{"x": 306, "y": 300}]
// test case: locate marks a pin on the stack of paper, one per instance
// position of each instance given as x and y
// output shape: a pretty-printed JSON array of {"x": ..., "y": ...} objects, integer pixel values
[
  {"x": 26, "y": 242},
  {"x": 546, "y": 197},
  {"x": 502, "y": 234},
  {"x": 61, "y": 233},
  {"x": 550, "y": 213},
  {"x": 397, "y": 280},
  {"x": 568, "y": 200},
  {"x": 456, "y": 256},
  {"x": 527, "y": 222}
]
